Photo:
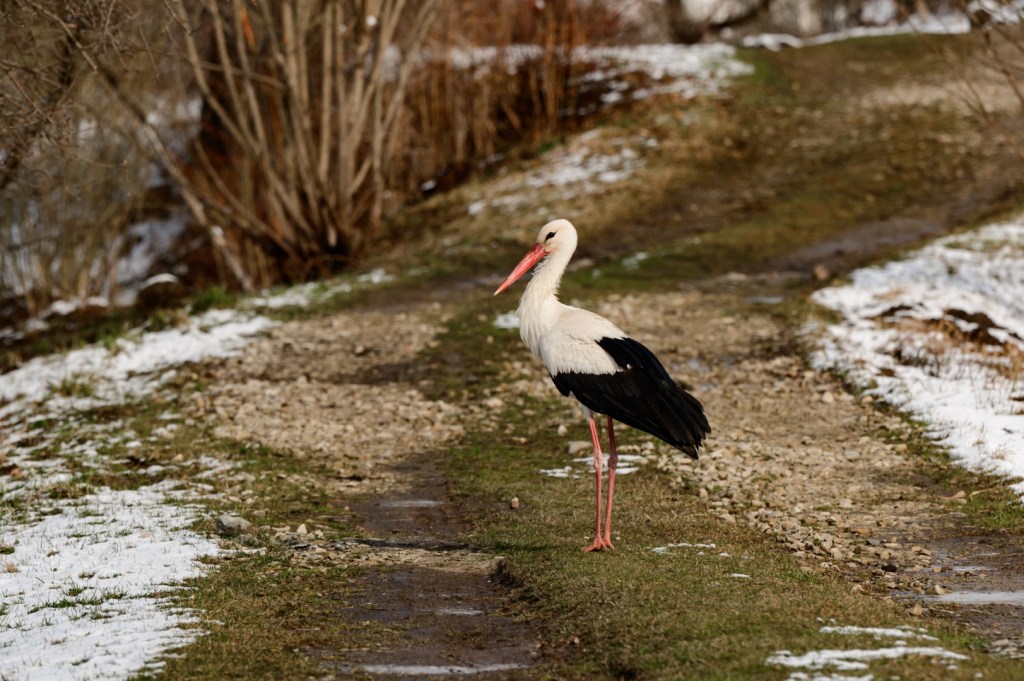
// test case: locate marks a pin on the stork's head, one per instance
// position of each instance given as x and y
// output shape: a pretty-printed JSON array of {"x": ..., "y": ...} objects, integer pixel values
[{"x": 558, "y": 236}]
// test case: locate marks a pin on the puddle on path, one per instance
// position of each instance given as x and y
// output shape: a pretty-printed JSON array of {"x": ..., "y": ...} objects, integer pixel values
[
  {"x": 1015, "y": 598},
  {"x": 436, "y": 670},
  {"x": 446, "y": 609},
  {"x": 985, "y": 583},
  {"x": 410, "y": 503}
]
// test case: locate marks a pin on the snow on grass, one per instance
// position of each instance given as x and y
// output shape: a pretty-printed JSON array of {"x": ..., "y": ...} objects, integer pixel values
[
  {"x": 937, "y": 24},
  {"x": 662, "y": 550},
  {"x": 879, "y": 632},
  {"x": 506, "y": 320},
  {"x": 595, "y": 160},
  {"x": 856, "y": 659},
  {"x": 588, "y": 165},
  {"x": 940, "y": 334},
  {"x": 689, "y": 70},
  {"x": 80, "y": 588},
  {"x": 628, "y": 463},
  {"x": 81, "y": 579},
  {"x": 832, "y": 664},
  {"x": 304, "y": 295},
  {"x": 96, "y": 374}
]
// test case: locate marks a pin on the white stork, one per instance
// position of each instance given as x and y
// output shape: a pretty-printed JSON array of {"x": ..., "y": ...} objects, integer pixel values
[{"x": 595, "y": 362}]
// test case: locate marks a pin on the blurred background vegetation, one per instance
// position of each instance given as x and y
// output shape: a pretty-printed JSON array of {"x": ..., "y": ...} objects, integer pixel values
[{"x": 245, "y": 143}]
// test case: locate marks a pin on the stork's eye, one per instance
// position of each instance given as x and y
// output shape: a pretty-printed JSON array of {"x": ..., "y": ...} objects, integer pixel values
[{"x": 550, "y": 236}]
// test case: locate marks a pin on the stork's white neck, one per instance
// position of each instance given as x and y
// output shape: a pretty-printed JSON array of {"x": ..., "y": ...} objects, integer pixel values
[{"x": 539, "y": 307}]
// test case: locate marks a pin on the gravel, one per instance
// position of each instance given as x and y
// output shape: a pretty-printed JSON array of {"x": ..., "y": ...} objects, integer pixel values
[{"x": 792, "y": 453}]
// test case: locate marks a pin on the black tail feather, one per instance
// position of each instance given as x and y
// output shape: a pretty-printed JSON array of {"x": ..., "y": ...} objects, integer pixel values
[{"x": 642, "y": 396}]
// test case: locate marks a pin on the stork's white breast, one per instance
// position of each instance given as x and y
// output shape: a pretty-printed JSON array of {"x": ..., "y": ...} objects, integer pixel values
[{"x": 571, "y": 344}]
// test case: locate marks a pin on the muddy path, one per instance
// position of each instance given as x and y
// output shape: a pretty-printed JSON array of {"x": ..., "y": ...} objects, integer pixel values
[
  {"x": 447, "y": 601},
  {"x": 329, "y": 392},
  {"x": 833, "y": 478}
]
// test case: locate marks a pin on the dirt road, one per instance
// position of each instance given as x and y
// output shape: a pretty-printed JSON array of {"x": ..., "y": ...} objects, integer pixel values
[{"x": 376, "y": 396}]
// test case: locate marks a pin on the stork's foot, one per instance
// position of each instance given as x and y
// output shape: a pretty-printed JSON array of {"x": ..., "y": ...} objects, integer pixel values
[{"x": 599, "y": 544}]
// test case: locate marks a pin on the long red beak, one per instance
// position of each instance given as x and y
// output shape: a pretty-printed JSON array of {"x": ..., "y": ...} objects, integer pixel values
[{"x": 529, "y": 260}]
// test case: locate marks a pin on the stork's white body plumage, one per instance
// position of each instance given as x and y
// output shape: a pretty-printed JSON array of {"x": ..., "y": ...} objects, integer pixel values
[{"x": 597, "y": 363}]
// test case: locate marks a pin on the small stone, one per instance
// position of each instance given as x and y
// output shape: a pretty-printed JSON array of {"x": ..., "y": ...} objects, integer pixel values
[
  {"x": 494, "y": 403},
  {"x": 917, "y": 610},
  {"x": 821, "y": 272},
  {"x": 577, "y": 446},
  {"x": 562, "y": 430},
  {"x": 514, "y": 503},
  {"x": 232, "y": 525},
  {"x": 937, "y": 590},
  {"x": 301, "y": 529}
]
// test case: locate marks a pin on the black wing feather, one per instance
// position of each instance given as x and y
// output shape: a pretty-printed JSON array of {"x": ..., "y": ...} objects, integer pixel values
[{"x": 641, "y": 395}]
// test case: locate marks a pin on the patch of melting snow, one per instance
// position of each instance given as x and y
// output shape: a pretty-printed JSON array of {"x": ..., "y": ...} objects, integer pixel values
[
  {"x": 564, "y": 472},
  {"x": 79, "y": 587},
  {"x": 818, "y": 676},
  {"x": 938, "y": 334},
  {"x": 836, "y": 661},
  {"x": 739, "y": 575},
  {"x": 628, "y": 463},
  {"x": 688, "y": 70},
  {"x": 633, "y": 261},
  {"x": 127, "y": 369},
  {"x": 879, "y": 632},
  {"x": 592, "y": 161},
  {"x": 939, "y": 24},
  {"x": 662, "y": 550},
  {"x": 304, "y": 295},
  {"x": 857, "y": 659},
  {"x": 506, "y": 320},
  {"x": 584, "y": 167}
]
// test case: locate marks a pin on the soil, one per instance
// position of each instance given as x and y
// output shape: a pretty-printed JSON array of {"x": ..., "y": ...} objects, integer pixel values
[{"x": 825, "y": 475}]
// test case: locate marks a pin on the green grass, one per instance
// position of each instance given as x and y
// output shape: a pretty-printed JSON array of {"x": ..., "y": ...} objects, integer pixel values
[
  {"x": 213, "y": 297},
  {"x": 990, "y": 502},
  {"x": 75, "y": 386},
  {"x": 632, "y": 613},
  {"x": 267, "y": 619},
  {"x": 629, "y": 613}
]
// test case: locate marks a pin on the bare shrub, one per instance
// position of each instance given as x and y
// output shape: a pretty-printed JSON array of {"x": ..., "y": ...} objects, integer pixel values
[
  {"x": 68, "y": 177},
  {"x": 498, "y": 75},
  {"x": 289, "y": 129},
  {"x": 992, "y": 79}
]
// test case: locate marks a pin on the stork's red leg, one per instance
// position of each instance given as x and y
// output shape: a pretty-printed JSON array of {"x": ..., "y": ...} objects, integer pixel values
[
  {"x": 613, "y": 460},
  {"x": 598, "y": 542}
]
